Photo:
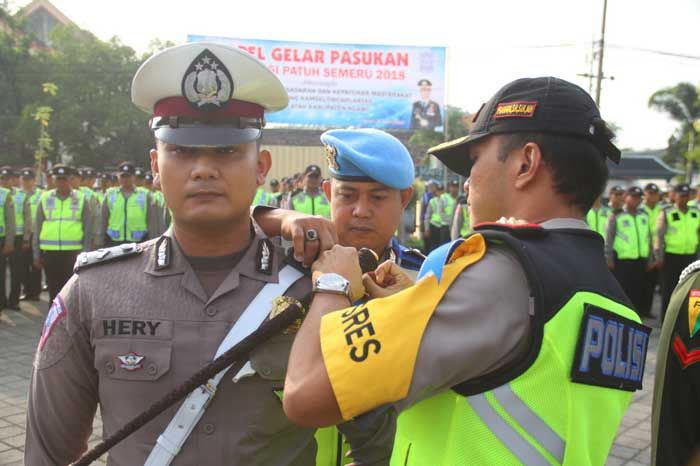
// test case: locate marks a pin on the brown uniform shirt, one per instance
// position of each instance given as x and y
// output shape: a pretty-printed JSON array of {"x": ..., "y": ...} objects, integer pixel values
[{"x": 165, "y": 316}]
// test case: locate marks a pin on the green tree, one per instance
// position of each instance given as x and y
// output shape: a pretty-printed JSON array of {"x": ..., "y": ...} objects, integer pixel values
[
  {"x": 14, "y": 90},
  {"x": 682, "y": 103}
]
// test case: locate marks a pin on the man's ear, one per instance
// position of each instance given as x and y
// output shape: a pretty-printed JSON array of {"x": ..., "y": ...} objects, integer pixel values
[
  {"x": 264, "y": 165},
  {"x": 327, "y": 188},
  {"x": 406, "y": 195},
  {"x": 153, "y": 154},
  {"x": 529, "y": 160}
]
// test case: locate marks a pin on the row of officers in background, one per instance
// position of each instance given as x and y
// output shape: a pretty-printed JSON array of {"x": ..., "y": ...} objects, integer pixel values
[
  {"x": 647, "y": 240},
  {"x": 47, "y": 228}
]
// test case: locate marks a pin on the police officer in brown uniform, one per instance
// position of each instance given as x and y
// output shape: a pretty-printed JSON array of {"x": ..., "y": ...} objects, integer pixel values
[{"x": 138, "y": 320}]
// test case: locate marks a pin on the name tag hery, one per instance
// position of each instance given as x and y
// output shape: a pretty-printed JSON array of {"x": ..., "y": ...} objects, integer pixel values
[{"x": 610, "y": 351}]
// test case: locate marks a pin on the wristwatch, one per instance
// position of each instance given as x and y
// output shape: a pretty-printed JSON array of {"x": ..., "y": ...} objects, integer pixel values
[{"x": 332, "y": 283}]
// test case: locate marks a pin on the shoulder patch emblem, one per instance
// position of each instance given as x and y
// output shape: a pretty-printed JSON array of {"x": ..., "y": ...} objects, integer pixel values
[
  {"x": 611, "y": 350},
  {"x": 56, "y": 312},
  {"x": 102, "y": 256},
  {"x": 693, "y": 312}
]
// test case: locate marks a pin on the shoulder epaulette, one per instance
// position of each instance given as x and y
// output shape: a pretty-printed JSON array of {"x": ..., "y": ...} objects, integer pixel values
[
  {"x": 412, "y": 258},
  {"x": 694, "y": 267},
  {"x": 104, "y": 256}
]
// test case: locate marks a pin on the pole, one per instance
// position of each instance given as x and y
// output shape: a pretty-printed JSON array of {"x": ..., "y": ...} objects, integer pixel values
[{"x": 601, "y": 50}]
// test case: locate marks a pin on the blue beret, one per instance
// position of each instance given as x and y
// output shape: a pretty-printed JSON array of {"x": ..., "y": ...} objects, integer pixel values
[{"x": 368, "y": 155}]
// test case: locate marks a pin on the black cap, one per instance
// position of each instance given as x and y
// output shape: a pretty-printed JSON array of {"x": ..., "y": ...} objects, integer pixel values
[
  {"x": 126, "y": 167},
  {"x": 681, "y": 189},
  {"x": 425, "y": 82},
  {"x": 652, "y": 188},
  {"x": 61, "y": 171},
  {"x": 617, "y": 189},
  {"x": 274, "y": 182},
  {"x": 313, "y": 170},
  {"x": 139, "y": 172},
  {"x": 634, "y": 191},
  {"x": 7, "y": 171},
  {"x": 148, "y": 177},
  {"x": 438, "y": 185},
  {"x": 87, "y": 172},
  {"x": 541, "y": 105},
  {"x": 453, "y": 183},
  {"x": 27, "y": 172}
]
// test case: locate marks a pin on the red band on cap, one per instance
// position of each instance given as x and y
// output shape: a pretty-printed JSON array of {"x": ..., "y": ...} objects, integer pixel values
[{"x": 178, "y": 106}]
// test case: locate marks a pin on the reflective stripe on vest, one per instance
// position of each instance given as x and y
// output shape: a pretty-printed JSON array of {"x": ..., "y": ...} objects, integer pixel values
[
  {"x": 4, "y": 193},
  {"x": 34, "y": 201},
  {"x": 466, "y": 221},
  {"x": 632, "y": 237},
  {"x": 682, "y": 234},
  {"x": 128, "y": 219},
  {"x": 523, "y": 415},
  {"x": 261, "y": 197},
  {"x": 312, "y": 205},
  {"x": 435, "y": 217},
  {"x": 62, "y": 229},
  {"x": 598, "y": 219},
  {"x": 448, "y": 203},
  {"x": 18, "y": 200}
]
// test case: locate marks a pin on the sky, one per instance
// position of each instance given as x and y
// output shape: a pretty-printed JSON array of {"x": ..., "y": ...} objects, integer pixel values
[{"x": 489, "y": 42}]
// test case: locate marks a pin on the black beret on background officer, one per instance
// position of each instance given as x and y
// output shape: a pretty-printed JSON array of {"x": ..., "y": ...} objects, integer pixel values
[
  {"x": 138, "y": 320},
  {"x": 675, "y": 420},
  {"x": 495, "y": 355}
]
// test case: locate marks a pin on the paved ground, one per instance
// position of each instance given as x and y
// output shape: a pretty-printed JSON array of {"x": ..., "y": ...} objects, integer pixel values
[{"x": 19, "y": 334}]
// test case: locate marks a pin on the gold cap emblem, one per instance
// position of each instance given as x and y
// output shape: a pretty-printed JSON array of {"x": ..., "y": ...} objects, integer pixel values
[{"x": 332, "y": 157}]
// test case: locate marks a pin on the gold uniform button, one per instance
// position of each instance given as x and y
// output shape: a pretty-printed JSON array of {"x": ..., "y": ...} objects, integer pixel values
[
  {"x": 211, "y": 311},
  {"x": 152, "y": 369},
  {"x": 209, "y": 429},
  {"x": 109, "y": 367}
]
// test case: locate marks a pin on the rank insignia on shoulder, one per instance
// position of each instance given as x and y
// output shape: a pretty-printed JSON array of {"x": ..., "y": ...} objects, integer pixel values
[
  {"x": 103, "y": 256},
  {"x": 693, "y": 312},
  {"x": 685, "y": 357},
  {"x": 611, "y": 350},
  {"x": 131, "y": 361},
  {"x": 264, "y": 256},
  {"x": 162, "y": 251}
]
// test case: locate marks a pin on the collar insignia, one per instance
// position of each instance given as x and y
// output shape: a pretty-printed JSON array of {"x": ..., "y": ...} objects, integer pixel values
[
  {"x": 332, "y": 157},
  {"x": 162, "y": 253},
  {"x": 207, "y": 84},
  {"x": 264, "y": 259},
  {"x": 131, "y": 361}
]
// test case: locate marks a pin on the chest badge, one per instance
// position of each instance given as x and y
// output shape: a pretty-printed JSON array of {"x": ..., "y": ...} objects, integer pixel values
[{"x": 131, "y": 361}]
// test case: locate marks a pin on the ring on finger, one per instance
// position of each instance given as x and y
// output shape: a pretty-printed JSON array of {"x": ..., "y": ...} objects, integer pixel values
[{"x": 311, "y": 235}]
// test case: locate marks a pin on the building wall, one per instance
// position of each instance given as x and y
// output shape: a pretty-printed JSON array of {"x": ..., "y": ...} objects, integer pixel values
[{"x": 288, "y": 160}]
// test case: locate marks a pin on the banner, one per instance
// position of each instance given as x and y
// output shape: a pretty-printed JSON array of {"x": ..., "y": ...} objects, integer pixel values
[{"x": 341, "y": 85}]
